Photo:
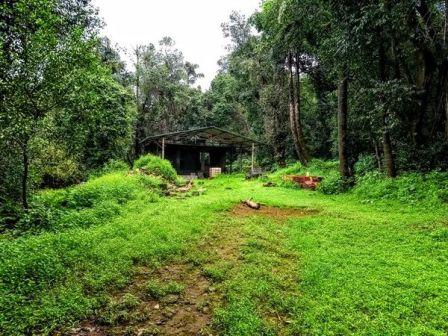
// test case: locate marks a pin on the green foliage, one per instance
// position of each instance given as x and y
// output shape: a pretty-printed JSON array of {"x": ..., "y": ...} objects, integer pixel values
[
  {"x": 372, "y": 185},
  {"x": 327, "y": 169},
  {"x": 365, "y": 164},
  {"x": 88, "y": 204},
  {"x": 111, "y": 186},
  {"x": 113, "y": 166},
  {"x": 54, "y": 167},
  {"x": 409, "y": 188},
  {"x": 332, "y": 184},
  {"x": 165, "y": 96},
  {"x": 62, "y": 112},
  {"x": 157, "y": 166}
]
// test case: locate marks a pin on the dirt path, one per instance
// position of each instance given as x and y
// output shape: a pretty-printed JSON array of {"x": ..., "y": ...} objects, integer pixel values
[{"x": 179, "y": 298}]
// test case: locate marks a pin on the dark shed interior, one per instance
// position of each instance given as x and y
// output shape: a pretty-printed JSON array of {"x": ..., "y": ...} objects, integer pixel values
[{"x": 194, "y": 152}]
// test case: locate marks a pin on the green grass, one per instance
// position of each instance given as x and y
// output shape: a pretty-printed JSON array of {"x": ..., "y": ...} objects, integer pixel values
[
  {"x": 158, "y": 289},
  {"x": 352, "y": 268}
]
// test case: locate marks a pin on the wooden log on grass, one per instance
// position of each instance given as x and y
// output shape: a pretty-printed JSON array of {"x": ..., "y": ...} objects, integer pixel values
[{"x": 251, "y": 204}]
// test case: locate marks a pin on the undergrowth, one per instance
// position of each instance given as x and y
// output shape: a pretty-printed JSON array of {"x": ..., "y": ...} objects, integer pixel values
[
  {"x": 372, "y": 186},
  {"x": 99, "y": 199}
]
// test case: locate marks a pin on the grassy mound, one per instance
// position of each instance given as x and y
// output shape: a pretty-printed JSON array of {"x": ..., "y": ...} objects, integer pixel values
[
  {"x": 99, "y": 199},
  {"x": 156, "y": 166}
]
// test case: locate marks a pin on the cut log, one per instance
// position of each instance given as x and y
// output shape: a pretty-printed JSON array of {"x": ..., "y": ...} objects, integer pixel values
[{"x": 252, "y": 205}]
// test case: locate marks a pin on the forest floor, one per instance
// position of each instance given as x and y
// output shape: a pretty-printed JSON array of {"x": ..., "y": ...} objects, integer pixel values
[{"x": 303, "y": 264}]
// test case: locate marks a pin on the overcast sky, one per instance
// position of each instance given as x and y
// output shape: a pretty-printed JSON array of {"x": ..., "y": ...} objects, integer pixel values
[{"x": 195, "y": 25}]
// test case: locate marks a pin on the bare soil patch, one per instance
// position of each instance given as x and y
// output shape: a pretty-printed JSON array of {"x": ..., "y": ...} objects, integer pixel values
[
  {"x": 241, "y": 210},
  {"x": 187, "y": 312}
]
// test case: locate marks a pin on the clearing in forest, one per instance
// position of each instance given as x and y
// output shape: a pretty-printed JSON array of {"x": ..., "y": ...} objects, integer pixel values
[{"x": 305, "y": 263}]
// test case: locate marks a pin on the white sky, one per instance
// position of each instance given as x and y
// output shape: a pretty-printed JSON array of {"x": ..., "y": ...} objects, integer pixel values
[{"x": 195, "y": 25}]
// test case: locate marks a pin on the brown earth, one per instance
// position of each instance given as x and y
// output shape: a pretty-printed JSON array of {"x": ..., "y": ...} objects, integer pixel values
[
  {"x": 281, "y": 214},
  {"x": 187, "y": 313}
]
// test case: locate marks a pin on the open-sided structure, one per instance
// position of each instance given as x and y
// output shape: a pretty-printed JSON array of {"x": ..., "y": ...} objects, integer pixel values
[{"x": 195, "y": 151}]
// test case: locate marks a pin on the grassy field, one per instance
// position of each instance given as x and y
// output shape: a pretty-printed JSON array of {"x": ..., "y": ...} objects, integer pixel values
[{"x": 324, "y": 265}]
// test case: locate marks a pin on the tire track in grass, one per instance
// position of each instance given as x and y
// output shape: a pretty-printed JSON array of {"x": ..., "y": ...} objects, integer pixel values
[{"x": 259, "y": 293}]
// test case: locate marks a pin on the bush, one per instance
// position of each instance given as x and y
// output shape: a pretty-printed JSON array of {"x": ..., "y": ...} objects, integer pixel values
[
  {"x": 10, "y": 213},
  {"x": 408, "y": 188},
  {"x": 326, "y": 169},
  {"x": 156, "y": 166},
  {"x": 331, "y": 185},
  {"x": 365, "y": 164},
  {"x": 114, "y": 166},
  {"x": 111, "y": 186},
  {"x": 91, "y": 203},
  {"x": 55, "y": 168}
]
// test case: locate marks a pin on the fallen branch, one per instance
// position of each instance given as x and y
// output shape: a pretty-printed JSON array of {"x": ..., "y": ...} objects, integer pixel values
[{"x": 251, "y": 204}]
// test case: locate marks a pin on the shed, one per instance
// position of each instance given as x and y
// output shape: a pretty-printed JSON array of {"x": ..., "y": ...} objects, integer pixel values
[{"x": 193, "y": 152}]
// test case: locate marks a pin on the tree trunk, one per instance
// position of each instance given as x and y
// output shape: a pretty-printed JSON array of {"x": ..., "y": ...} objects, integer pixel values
[
  {"x": 445, "y": 33},
  {"x": 293, "y": 116},
  {"x": 377, "y": 155},
  {"x": 138, "y": 126},
  {"x": 298, "y": 112},
  {"x": 389, "y": 159},
  {"x": 445, "y": 30},
  {"x": 446, "y": 112},
  {"x": 25, "y": 163},
  {"x": 342, "y": 123}
]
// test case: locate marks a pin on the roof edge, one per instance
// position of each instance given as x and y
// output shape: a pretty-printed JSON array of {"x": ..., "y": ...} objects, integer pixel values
[{"x": 199, "y": 129}]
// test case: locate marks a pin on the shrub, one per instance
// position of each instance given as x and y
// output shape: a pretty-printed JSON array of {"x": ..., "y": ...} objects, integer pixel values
[
  {"x": 157, "y": 166},
  {"x": 365, "y": 164},
  {"x": 332, "y": 184},
  {"x": 408, "y": 188},
  {"x": 90, "y": 203},
  {"x": 10, "y": 213},
  {"x": 54, "y": 167},
  {"x": 111, "y": 186},
  {"x": 112, "y": 166},
  {"x": 37, "y": 218}
]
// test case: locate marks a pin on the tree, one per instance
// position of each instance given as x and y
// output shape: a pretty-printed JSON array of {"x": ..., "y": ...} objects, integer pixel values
[
  {"x": 50, "y": 70},
  {"x": 163, "y": 90}
]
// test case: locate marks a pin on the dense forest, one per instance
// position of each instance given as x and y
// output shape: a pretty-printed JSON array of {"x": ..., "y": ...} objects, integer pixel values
[{"x": 363, "y": 81}]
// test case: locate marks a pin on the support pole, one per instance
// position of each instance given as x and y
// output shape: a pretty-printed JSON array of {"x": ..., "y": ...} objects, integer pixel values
[
  {"x": 253, "y": 157},
  {"x": 163, "y": 148}
]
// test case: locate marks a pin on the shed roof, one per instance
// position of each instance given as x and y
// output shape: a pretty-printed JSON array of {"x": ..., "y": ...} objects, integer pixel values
[{"x": 210, "y": 136}]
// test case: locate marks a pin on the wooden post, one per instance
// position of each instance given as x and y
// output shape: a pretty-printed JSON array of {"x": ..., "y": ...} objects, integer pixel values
[
  {"x": 253, "y": 157},
  {"x": 163, "y": 148}
]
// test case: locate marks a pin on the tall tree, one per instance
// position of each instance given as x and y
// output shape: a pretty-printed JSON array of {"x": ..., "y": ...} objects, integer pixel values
[{"x": 344, "y": 168}]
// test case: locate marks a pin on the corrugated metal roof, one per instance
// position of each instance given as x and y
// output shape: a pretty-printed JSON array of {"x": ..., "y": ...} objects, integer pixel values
[{"x": 204, "y": 136}]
